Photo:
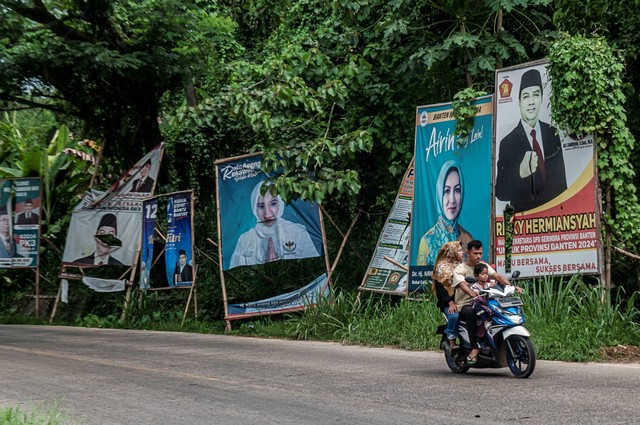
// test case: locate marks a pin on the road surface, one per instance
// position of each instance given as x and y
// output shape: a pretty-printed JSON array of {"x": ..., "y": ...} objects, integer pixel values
[{"x": 102, "y": 376}]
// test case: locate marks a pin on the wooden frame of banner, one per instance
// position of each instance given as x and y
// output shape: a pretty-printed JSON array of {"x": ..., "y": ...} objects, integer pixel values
[
  {"x": 220, "y": 265},
  {"x": 36, "y": 268},
  {"x": 193, "y": 290}
]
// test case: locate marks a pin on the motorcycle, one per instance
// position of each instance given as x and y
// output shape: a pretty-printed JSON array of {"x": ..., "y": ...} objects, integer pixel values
[{"x": 505, "y": 342}]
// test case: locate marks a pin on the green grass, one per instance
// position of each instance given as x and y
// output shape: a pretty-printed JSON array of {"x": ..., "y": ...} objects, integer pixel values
[{"x": 37, "y": 416}]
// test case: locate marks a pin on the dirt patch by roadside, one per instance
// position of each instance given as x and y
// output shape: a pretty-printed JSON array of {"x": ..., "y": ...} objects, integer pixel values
[{"x": 621, "y": 354}]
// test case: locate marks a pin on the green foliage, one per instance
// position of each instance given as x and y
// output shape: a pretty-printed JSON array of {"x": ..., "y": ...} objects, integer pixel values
[
  {"x": 38, "y": 416},
  {"x": 570, "y": 320},
  {"x": 589, "y": 98},
  {"x": 108, "y": 63},
  {"x": 63, "y": 163},
  {"x": 464, "y": 111}
]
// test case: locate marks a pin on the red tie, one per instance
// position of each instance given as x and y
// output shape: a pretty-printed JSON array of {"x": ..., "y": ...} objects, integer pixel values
[{"x": 536, "y": 148}]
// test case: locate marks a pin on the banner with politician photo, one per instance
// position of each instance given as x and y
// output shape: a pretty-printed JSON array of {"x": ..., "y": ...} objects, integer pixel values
[
  {"x": 547, "y": 176},
  {"x": 179, "y": 247},
  {"x": 257, "y": 227},
  {"x": 150, "y": 212},
  {"x": 452, "y": 196},
  {"x": 26, "y": 228},
  {"x": 105, "y": 226},
  {"x": 7, "y": 245},
  {"x": 103, "y": 236},
  {"x": 139, "y": 181}
]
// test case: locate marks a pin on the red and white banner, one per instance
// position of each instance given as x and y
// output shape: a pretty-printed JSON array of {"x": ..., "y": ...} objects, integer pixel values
[{"x": 547, "y": 176}]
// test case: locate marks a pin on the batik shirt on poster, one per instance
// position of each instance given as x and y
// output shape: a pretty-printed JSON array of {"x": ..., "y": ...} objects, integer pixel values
[{"x": 452, "y": 195}]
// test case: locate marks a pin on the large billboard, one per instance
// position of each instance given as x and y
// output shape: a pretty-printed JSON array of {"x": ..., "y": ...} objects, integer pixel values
[
  {"x": 452, "y": 196},
  {"x": 547, "y": 176},
  {"x": 257, "y": 227}
]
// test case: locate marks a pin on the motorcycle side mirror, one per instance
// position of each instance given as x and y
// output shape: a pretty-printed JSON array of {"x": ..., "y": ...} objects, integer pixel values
[
  {"x": 470, "y": 279},
  {"x": 515, "y": 274}
]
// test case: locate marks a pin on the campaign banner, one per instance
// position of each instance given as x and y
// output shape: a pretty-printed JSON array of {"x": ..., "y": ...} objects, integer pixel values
[
  {"x": 7, "y": 245},
  {"x": 547, "y": 175},
  {"x": 291, "y": 301},
  {"x": 105, "y": 226},
  {"x": 150, "y": 212},
  {"x": 26, "y": 230},
  {"x": 178, "y": 253},
  {"x": 388, "y": 268},
  {"x": 257, "y": 228},
  {"x": 452, "y": 197}
]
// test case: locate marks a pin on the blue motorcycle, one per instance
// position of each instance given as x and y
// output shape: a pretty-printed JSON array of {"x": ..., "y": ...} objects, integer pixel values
[{"x": 506, "y": 341}]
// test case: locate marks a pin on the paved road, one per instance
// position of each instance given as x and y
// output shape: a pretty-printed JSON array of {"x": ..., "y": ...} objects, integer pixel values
[{"x": 138, "y": 377}]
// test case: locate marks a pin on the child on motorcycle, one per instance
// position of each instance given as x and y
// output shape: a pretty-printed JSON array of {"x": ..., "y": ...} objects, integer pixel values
[{"x": 481, "y": 273}]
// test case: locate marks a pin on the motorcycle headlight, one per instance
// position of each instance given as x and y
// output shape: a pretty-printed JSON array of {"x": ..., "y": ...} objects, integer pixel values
[{"x": 516, "y": 319}]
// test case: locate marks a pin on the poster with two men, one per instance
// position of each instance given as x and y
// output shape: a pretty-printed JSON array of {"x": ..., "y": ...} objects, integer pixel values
[
  {"x": 20, "y": 211},
  {"x": 105, "y": 226}
]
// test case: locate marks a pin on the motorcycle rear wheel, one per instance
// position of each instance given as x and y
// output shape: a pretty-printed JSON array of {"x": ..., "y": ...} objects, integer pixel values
[
  {"x": 521, "y": 356},
  {"x": 455, "y": 363}
]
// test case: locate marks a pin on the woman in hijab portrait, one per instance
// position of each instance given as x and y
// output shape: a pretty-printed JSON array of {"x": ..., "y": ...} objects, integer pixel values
[
  {"x": 272, "y": 238},
  {"x": 449, "y": 197}
]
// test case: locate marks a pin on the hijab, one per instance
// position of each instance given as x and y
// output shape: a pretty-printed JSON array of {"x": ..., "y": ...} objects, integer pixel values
[
  {"x": 262, "y": 229},
  {"x": 444, "y": 172}
]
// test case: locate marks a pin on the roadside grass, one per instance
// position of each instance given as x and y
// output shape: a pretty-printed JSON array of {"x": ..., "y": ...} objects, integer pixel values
[
  {"x": 572, "y": 320},
  {"x": 37, "y": 416}
]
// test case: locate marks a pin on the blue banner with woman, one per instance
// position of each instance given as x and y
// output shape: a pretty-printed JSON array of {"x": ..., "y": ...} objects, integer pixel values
[
  {"x": 179, "y": 247},
  {"x": 256, "y": 226},
  {"x": 452, "y": 194}
]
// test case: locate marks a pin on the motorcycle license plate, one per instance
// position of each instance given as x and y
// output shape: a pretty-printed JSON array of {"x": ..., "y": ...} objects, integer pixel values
[{"x": 510, "y": 302}]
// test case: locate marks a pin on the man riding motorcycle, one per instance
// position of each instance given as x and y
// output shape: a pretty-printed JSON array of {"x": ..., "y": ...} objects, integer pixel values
[{"x": 464, "y": 295}]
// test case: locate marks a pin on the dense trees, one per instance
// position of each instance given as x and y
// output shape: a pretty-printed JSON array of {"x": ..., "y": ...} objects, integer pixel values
[{"x": 327, "y": 89}]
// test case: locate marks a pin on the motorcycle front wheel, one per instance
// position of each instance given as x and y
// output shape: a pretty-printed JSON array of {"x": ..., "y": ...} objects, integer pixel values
[
  {"x": 456, "y": 361},
  {"x": 521, "y": 356}
]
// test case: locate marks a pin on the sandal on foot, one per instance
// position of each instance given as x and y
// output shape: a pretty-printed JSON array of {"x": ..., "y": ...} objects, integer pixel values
[{"x": 471, "y": 360}]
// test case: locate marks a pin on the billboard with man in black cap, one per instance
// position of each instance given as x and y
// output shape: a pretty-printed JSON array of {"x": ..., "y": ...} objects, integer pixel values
[{"x": 547, "y": 175}]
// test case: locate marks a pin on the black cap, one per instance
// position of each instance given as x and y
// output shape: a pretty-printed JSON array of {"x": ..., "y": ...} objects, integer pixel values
[
  {"x": 529, "y": 79},
  {"x": 109, "y": 220}
]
